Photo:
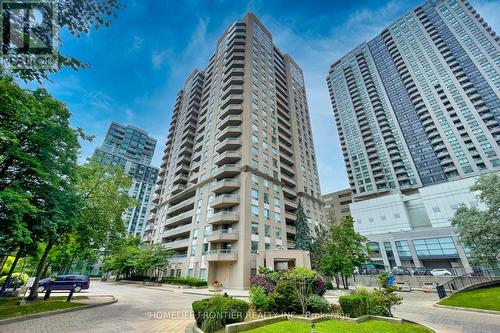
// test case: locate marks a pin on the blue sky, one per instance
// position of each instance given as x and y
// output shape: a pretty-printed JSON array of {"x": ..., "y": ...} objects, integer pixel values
[{"x": 138, "y": 65}]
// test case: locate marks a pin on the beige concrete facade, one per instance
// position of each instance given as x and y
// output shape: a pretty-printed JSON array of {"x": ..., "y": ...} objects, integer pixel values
[
  {"x": 238, "y": 159},
  {"x": 337, "y": 205}
]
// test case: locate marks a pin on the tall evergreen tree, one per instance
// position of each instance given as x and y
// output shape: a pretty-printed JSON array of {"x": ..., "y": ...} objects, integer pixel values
[{"x": 302, "y": 232}]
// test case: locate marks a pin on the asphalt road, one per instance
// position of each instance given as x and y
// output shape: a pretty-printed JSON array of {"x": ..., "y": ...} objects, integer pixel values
[{"x": 139, "y": 309}]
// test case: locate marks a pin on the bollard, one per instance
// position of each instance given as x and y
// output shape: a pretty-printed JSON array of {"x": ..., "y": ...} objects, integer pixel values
[{"x": 313, "y": 328}]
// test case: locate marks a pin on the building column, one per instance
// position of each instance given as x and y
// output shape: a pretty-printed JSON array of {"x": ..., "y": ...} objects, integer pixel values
[
  {"x": 384, "y": 255},
  {"x": 462, "y": 255},
  {"x": 414, "y": 255},
  {"x": 396, "y": 254}
]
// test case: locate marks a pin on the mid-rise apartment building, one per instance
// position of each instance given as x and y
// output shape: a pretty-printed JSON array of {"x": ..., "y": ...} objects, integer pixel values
[
  {"x": 336, "y": 206},
  {"x": 132, "y": 149},
  {"x": 418, "y": 108},
  {"x": 238, "y": 159}
]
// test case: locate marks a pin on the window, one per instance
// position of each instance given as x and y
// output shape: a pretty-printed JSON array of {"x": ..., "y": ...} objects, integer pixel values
[
  {"x": 403, "y": 248},
  {"x": 266, "y": 198},
  {"x": 278, "y": 233},
  {"x": 203, "y": 274},
  {"x": 255, "y": 179},
  {"x": 255, "y": 210},
  {"x": 374, "y": 246},
  {"x": 255, "y": 194},
  {"x": 443, "y": 246},
  {"x": 255, "y": 247},
  {"x": 266, "y": 213},
  {"x": 277, "y": 217},
  {"x": 267, "y": 231},
  {"x": 255, "y": 229}
]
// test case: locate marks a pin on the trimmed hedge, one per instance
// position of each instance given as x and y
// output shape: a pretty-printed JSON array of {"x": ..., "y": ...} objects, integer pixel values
[
  {"x": 352, "y": 306},
  {"x": 216, "y": 312},
  {"x": 316, "y": 303},
  {"x": 186, "y": 281}
]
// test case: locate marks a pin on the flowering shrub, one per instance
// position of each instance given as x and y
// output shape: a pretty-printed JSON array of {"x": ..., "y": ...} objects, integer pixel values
[
  {"x": 319, "y": 286},
  {"x": 264, "y": 281}
]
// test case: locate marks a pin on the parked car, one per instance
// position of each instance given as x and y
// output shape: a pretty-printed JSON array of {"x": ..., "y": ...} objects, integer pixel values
[
  {"x": 65, "y": 282},
  {"x": 440, "y": 272},
  {"x": 428, "y": 287},
  {"x": 403, "y": 286},
  {"x": 365, "y": 270},
  {"x": 421, "y": 271},
  {"x": 400, "y": 270}
]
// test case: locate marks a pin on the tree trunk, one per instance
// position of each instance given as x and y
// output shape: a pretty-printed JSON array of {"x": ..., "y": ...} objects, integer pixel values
[
  {"x": 41, "y": 264},
  {"x": 337, "y": 281},
  {"x": 3, "y": 261},
  {"x": 11, "y": 270},
  {"x": 45, "y": 269}
]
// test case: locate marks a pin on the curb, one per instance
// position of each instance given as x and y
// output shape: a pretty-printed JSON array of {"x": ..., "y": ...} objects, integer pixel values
[
  {"x": 54, "y": 312},
  {"x": 449, "y": 307}
]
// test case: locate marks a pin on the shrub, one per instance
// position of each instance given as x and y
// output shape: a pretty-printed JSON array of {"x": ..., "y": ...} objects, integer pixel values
[
  {"x": 268, "y": 272},
  {"x": 215, "y": 312},
  {"x": 378, "y": 310},
  {"x": 187, "y": 281},
  {"x": 259, "y": 299},
  {"x": 329, "y": 286},
  {"x": 235, "y": 310},
  {"x": 316, "y": 303},
  {"x": 318, "y": 286},
  {"x": 285, "y": 297},
  {"x": 265, "y": 281},
  {"x": 352, "y": 305}
]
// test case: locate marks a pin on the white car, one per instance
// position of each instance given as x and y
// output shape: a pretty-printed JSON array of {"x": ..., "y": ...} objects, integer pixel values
[{"x": 440, "y": 272}]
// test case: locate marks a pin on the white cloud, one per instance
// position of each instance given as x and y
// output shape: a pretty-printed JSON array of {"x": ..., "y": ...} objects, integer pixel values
[{"x": 159, "y": 58}]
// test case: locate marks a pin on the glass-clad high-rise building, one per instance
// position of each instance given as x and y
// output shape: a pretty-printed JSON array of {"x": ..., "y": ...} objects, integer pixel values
[
  {"x": 418, "y": 114},
  {"x": 238, "y": 160},
  {"x": 132, "y": 149}
]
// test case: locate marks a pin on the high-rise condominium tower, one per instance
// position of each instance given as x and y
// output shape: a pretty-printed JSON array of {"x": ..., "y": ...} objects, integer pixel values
[
  {"x": 132, "y": 149},
  {"x": 418, "y": 111},
  {"x": 238, "y": 160}
]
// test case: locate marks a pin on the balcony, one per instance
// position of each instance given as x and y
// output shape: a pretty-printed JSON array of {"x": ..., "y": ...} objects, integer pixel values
[
  {"x": 222, "y": 255},
  {"x": 227, "y": 217},
  {"x": 290, "y": 229},
  {"x": 222, "y": 235},
  {"x": 231, "y": 109},
  {"x": 227, "y": 170},
  {"x": 288, "y": 181},
  {"x": 230, "y": 131},
  {"x": 177, "y": 244},
  {"x": 290, "y": 217},
  {"x": 233, "y": 120},
  {"x": 228, "y": 144},
  {"x": 183, "y": 217},
  {"x": 183, "y": 229},
  {"x": 226, "y": 185},
  {"x": 181, "y": 206},
  {"x": 290, "y": 245},
  {"x": 225, "y": 201},
  {"x": 228, "y": 157},
  {"x": 289, "y": 193},
  {"x": 178, "y": 188},
  {"x": 290, "y": 205}
]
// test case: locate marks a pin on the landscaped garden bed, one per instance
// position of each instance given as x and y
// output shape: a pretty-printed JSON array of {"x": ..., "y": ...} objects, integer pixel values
[
  {"x": 344, "y": 326},
  {"x": 483, "y": 298}
]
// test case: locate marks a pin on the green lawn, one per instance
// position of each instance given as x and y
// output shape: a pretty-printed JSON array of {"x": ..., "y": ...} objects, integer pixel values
[
  {"x": 9, "y": 307},
  {"x": 483, "y": 298},
  {"x": 333, "y": 326}
]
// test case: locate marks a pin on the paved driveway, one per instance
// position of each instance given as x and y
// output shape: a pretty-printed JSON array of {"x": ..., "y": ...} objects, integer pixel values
[
  {"x": 418, "y": 306},
  {"x": 138, "y": 309}
]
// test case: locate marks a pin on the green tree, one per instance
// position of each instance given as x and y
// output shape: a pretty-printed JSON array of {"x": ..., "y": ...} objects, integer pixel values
[
  {"x": 386, "y": 294},
  {"x": 479, "y": 229},
  {"x": 77, "y": 17},
  {"x": 303, "y": 279},
  {"x": 38, "y": 164},
  {"x": 318, "y": 246},
  {"x": 152, "y": 259},
  {"x": 343, "y": 251},
  {"x": 302, "y": 231}
]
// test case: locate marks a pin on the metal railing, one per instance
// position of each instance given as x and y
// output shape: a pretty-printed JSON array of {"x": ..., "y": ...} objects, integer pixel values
[{"x": 461, "y": 282}]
